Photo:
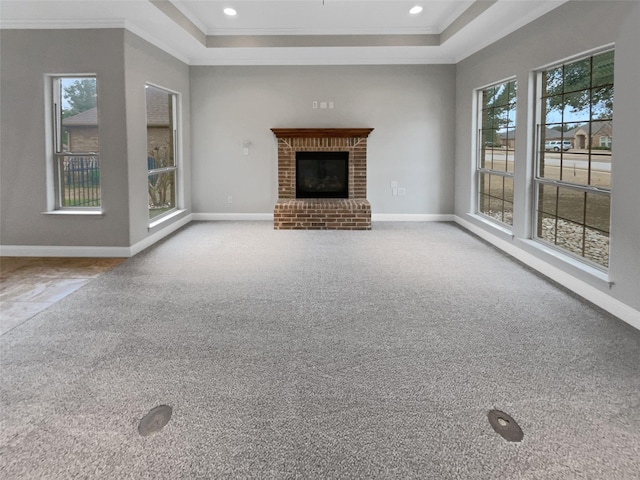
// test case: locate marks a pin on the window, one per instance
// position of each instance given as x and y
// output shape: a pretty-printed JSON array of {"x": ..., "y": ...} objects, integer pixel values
[
  {"x": 76, "y": 145},
  {"x": 161, "y": 150},
  {"x": 573, "y": 180},
  {"x": 496, "y": 151}
]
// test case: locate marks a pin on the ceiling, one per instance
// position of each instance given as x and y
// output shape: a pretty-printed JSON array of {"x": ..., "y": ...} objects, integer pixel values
[{"x": 293, "y": 32}]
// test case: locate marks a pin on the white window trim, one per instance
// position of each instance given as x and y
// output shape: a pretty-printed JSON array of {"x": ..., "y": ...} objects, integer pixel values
[
  {"x": 178, "y": 155},
  {"x": 52, "y": 202},
  {"x": 476, "y": 139},
  {"x": 583, "y": 263}
]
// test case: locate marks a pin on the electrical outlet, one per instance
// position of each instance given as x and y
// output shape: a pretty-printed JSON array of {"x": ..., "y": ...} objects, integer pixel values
[
  {"x": 314, "y": 104},
  {"x": 402, "y": 192},
  {"x": 229, "y": 199}
]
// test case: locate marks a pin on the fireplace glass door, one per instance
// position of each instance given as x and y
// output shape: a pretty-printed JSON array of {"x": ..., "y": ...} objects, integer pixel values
[{"x": 322, "y": 174}]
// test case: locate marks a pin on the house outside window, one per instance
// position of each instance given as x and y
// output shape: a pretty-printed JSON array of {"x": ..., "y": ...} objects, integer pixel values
[
  {"x": 162, "y": 151},
  {"x": 76, "y": 143},
  {"x": 573, "y": 171},
  {"x": 496, "y": 151},
  {"x": 605, "y": 142}
]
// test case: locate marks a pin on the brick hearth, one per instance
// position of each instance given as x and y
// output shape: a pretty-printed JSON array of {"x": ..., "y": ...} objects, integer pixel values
[{"x": 353, "y": 213}]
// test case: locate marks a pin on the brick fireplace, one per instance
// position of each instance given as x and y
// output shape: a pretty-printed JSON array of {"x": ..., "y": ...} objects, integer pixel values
[{"x": 351, "y": 213}]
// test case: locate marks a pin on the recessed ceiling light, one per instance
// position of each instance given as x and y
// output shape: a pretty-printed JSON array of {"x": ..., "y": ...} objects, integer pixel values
[
  {"x": 229, "y": 11},
  {"x": 415, "y": 10}
]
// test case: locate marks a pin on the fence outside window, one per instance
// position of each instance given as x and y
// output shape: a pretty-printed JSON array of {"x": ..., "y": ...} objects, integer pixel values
[{"x": 78, "y": 180}]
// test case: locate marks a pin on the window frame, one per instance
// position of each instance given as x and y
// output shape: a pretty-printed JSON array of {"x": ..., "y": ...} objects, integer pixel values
[
  {"x": 56, "y": 154},
  {"x": 539, "y": 182},
  {"x": 480, "y": 170},
  {"x": 176, "y": 99}
]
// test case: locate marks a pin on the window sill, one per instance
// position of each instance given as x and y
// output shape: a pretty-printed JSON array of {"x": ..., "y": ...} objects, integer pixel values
[
  {"x": 90, "y": 213},
  {"x": 493, "y": 224},
  {"x": 570, "y": 261},
  {"x": 155, "y": 223}
]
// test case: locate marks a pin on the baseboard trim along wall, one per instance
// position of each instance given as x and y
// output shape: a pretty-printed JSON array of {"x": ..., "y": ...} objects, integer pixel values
[
  {"x": 92, "y": 251},
  {"x": 62, "y": 251},
  {"x": 232, "y": 216},
  {"x": 411, "y": 217},
  {"x": 591, "y": 294},
  {"x": 375, "y": 217}
]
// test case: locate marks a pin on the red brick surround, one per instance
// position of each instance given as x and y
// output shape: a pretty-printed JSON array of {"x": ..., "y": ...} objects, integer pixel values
[{"x": 353, "y": 213}]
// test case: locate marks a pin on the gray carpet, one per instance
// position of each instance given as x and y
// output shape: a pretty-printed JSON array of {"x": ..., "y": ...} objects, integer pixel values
[{"x": 292, "y": 354}]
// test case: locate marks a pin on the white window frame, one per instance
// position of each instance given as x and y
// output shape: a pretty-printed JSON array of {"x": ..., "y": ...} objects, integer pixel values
[
  {"x": 55, "y": 152},
  {"x": 479, "y": 170},
  {"x": 176, "y": 98},
  {"x": 537, "y": 180}
]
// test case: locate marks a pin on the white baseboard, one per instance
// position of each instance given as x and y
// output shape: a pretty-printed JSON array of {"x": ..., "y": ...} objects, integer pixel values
[
  {"x": 375, "y": 217},
  {"x": 411, "y": 217},
  {"x": 232, "y": 216},
  {"x": 62, "y": 251},
  {"x": 153, "y": 238},
  {"x": 90, "y": 251},
  {"x": 590, "y": 293}
]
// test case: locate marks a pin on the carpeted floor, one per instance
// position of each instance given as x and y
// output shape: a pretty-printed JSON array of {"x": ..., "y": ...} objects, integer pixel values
[{"x": 312, "y": 355}]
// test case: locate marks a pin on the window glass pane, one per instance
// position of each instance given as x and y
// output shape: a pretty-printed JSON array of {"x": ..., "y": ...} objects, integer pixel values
[
  {"x": 602, "y": 103},
  {"x": 603, "y": 69},
  {"x": 552, "y": 81},
  {"x": 577, "y": 75},
  {"x": 79, "y": 115},
  {"x": 79, "y": 178},
  {"x": 488, "y": 97},
  {"x": 598, "y": 209},
  {"x": 162, "y": 192},
  {"x": 500, "y": 159},
  {"x": 571, "y": 204},
  {"x": 576, "y": 107},
  {"x": 160, "y": 128},
  {"x": 570, "y": 236},
  {"x": 547, "y": 228},
  {"x": 547, "y": 199},
  {"x": 553, "y": 109},
  {"x": 497, "y": 151},
  {"x": 161, "y": 151},
  {"x": 596, "y": 246}
]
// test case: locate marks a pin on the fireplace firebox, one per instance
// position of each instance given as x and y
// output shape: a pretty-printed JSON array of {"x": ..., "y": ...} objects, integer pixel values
[{"x": 322, "y": 174}]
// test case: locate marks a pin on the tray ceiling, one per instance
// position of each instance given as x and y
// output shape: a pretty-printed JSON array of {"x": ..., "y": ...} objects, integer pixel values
[{"x": 293, "y": 32}]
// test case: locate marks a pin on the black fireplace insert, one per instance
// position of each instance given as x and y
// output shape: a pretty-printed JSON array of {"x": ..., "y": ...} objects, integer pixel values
[{"x": 322, "y": 174}]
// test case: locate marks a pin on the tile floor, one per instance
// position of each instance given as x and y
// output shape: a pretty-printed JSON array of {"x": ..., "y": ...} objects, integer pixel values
[{"x": 28, "y": 285}]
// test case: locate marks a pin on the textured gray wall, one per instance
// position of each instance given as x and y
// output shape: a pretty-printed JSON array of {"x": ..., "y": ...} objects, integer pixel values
[
  {"x": 123, "y": 63},
  {"x": 572, "y": 29},
  {"x": 146, "y": 63},
  {"x": 26, "y": 56},
  {"x": 410, "y": 108}
]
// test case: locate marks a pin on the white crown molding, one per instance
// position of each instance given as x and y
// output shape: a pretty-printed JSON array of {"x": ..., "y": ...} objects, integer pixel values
[
  {"x": 420, "y": 58},
  {"x": 322, "y": 31},
  {"x": 57, "y": 24}
]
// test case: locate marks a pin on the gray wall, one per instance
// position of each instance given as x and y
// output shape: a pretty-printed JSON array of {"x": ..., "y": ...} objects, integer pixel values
[
  {"x": 146, "y": 63},
  {"x": 409, "y": 107},
  {"x": 26, "y": 56},
  {"x": 572, "y": 29},
  {"x": 123, "y": 63}
]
